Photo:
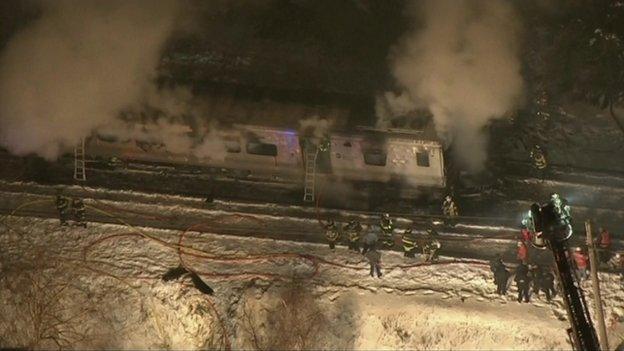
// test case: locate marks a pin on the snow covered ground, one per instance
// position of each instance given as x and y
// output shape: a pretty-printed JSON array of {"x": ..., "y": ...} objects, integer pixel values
[{"x": 101, "y": 287}]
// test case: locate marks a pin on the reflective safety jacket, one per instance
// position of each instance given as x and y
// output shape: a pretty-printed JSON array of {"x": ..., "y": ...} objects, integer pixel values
[
  {"x": 433, "y": 246},
  {"x": 387, "y": 226},
  {"x": 409, "y": 241},
  {"x": 332, "y": 234},
  {"x": 62, "y": 203},
  {"x": 449, "y": 208},
  {"x": 353, "y": 231},
  {"x": 539, "y": 159}
]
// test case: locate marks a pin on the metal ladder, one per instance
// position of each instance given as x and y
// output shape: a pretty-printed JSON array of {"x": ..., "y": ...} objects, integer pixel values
[
  {"x": 79, "y": 161},
  {"x": 311, "y": 153}
]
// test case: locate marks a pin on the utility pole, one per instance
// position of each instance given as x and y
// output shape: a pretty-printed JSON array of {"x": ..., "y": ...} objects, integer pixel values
[{"x": 593, "y": 264}]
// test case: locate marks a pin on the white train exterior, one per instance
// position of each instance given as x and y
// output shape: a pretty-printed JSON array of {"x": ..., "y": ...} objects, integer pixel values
[{"x": 364, "y": 155}]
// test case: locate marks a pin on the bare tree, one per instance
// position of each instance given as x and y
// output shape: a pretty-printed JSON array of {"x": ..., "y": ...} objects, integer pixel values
[{"x": 294, "y": 322}]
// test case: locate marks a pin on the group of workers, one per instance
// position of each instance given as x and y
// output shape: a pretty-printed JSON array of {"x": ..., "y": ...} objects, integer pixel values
[
  {"x": 530, "y": 279},
  {"x": 527, "y": 274},
  {"x": 606, "y": 256},
  {"x": 354, "y": 235},
  {"x": 71, "y": 209}
]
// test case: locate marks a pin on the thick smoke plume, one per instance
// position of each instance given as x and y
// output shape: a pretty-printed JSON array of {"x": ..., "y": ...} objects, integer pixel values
[
  {"x": 462, "y": 64},
  {"x": 76, "y": 67}
]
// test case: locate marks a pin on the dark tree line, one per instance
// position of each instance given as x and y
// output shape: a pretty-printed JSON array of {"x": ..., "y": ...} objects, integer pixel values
[{"x": 575, "y": 51}]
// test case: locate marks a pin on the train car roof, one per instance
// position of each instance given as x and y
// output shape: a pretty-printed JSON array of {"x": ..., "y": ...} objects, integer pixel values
[{"x": 427, "y": 134}]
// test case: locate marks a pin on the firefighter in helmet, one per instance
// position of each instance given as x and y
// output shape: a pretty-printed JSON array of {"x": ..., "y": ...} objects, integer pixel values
[
  {"x": 449, "y": 208},
  {"x": 332, "y": 234},
  {"x": 387, "y": 231},
  {"x": 62, "y": 206},
  {"x": 353, "y": 230},
  {"x": 409, "y": 243},
  {"x": 78, "y": 210},
  {"x": 432, "y": 247},
  {"x": 538, "y": 158}
]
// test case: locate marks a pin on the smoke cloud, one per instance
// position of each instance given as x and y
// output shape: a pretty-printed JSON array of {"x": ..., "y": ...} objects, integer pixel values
[
  {"x": 463, "y": 66},
  {"x": 315, "y": 126},
  {"x": 76, "y": 67}
]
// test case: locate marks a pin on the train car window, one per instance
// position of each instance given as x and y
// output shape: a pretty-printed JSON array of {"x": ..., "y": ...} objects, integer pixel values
[
  {"x": 232, "y": 146},
  {"x": 375, "y": 158},
  {"x": 258, "y": 148},
  {"x": 422, "y": 159}
]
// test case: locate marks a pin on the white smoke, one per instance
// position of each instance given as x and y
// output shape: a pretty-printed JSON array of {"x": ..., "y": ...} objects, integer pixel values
[
  {"x": 76, "y": 67},
  {"x": 463, "y": 65},
  {"x": 315, "y": 126}
]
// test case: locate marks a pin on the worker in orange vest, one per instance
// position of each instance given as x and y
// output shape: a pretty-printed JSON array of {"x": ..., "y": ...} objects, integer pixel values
[
  {"x": 604, "y": 244},
  {"x": 523, "y": 252},
  {"x": 581, "y": 260}
]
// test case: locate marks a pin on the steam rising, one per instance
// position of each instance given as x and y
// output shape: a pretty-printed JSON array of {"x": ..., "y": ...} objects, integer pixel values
[
  {"x": 76, "y": 67},
  {"x": 463, "y": 66}
]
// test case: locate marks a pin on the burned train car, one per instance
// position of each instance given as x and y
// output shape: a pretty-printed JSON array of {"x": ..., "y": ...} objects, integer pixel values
[{"x": 411, "y": 159}]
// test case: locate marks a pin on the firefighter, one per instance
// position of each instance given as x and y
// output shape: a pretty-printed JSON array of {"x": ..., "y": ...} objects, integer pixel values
[
  {"x": 431, "y": 231},
  {"x": 580, "y": 259},
  {"x": 449, "y": 208},
  {"x": 324, "y": 144},
  {"x": 387, "y": 231},
  {"x": 538, "y": 156},
  {"x": 617, "y": 264},
  {"x": 78, "y": 210},
  {"x": 374, "y": 259},
  {"x": 331, "y": 234},
  {"x": 353, "y": 230},
  {"x": 522, "y": 281},
  {"x": 523, "y": 252},
  {"x": 604, "y": 245},
  {"x": 431, "y": 249},
  {"x": 62, "y": 205},
  {"x": 409, "y": 243}
]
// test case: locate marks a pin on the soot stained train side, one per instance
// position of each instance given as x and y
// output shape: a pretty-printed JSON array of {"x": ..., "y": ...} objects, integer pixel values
[{"x": 412, "y": 158}]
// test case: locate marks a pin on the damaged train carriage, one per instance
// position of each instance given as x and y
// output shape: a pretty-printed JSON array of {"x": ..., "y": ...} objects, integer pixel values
[{"x": 400, "y": 162}]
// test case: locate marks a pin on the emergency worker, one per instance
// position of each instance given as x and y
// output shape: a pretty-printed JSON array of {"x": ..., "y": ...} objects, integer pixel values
[
  {"x": 617, "y": 264},
  {"x": 522, "y": 252},
  {"x": 538, "y": 157},
  {"x": 324, "y": 144},
  {"x": 547, "y": 284},
  {"x": 580, "y": 260},
  {"x": 604, "y": 245},
  {"x": 332, "y": 234},
  {"x": 78, "y": 210},
  {"x": 369, "y": 242},
  {"x": 522, "y": 281},
  {"x": 62, "y": 206},
  {"x": 525, "y": 234},
  {"x": 353, "y": 230},
  {"x": 432, "y": 248},
  {"x": 535, "y": 274},
  {"x": 449, "y": 208},
  {"x": 387, "y": 231},
  {"x": 374, "y": 259},
  {"x": 409, "y": 243},
  {"x": 501, "y": 276}
]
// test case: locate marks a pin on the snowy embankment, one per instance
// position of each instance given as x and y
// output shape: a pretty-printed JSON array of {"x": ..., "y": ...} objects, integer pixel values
[
  {"x": 101, "y": 287},
  {"x": 245, "y": 219}
]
